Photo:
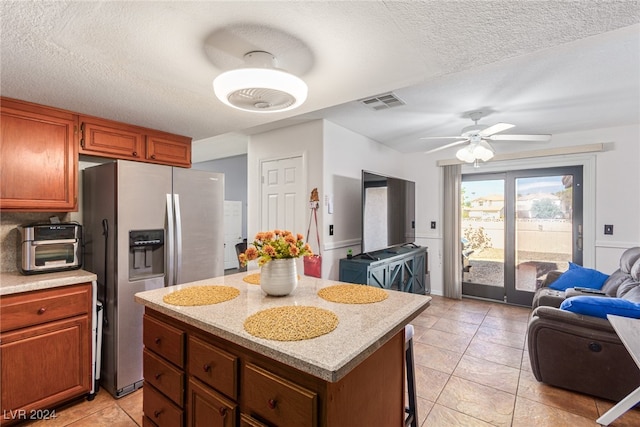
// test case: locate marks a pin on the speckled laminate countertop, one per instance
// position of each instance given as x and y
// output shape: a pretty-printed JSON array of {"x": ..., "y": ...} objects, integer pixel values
[
  {"x": 363, "y": 328},
  {"x": 14, "y": 282}
]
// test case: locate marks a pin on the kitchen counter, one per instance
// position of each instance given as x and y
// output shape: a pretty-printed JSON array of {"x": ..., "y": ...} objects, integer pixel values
[
  {"x": 14, "y": 282},
  {"x": 362, "y": 328},
  {"x": 200, "y": 363}
]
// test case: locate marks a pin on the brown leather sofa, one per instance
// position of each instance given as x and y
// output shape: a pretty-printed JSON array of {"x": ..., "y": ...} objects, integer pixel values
[{"x": 583, "y": 353}]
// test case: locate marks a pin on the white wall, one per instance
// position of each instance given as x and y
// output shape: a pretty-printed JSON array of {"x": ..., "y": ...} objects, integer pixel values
[
  {"x": 616, "y": 194},
  {"x": 335, "y": 157},
  {"x": 346, "y": 154},
  {"x": 299, "y": 140}
]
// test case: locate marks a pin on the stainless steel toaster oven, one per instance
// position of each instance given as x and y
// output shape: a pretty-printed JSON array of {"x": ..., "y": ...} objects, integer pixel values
[{"x": 45, "y": 248}]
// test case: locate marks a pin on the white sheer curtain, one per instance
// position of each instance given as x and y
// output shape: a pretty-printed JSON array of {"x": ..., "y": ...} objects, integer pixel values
[{"x": 452, "y": 250}]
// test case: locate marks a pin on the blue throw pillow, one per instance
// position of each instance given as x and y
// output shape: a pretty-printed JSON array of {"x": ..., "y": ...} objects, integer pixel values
[
  {"x": 601, "y": 306},
  {"x": 579, "y": 277}
]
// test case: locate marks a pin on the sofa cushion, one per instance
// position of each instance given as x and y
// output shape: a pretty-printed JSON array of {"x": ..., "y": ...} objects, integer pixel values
[
  {"x": 601, "y": 306},
  {"x": 629, "y": 262},
  {"x": 578, "y": 276},
  {"x": 633, "y": 294}
]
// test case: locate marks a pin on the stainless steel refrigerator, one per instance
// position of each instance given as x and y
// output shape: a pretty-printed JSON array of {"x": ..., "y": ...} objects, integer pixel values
[{"x": 146, "y": 226}]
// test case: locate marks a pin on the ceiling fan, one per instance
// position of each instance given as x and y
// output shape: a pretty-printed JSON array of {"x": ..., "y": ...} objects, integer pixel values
[{"x": 478, "y": 136}]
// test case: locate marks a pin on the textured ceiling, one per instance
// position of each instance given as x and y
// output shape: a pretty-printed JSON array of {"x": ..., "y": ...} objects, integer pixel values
[{"x": 546, "y": 66}]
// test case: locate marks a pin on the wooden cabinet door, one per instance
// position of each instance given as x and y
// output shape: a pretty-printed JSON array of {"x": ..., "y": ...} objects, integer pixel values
[
  {"x": 38, "y": 158},
  {"x": 167, "y": 150},
  {"x": 46, "y": 364},
  {"x": 111, "y": 139},
  {"x": 208, "y": 408}
]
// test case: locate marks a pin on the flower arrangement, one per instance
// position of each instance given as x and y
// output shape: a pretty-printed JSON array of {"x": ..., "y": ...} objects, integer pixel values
[{"x": 276, "y": 244}]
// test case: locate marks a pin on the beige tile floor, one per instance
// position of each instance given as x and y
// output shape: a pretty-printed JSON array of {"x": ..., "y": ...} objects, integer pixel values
[{"x": 472, "y": 369}]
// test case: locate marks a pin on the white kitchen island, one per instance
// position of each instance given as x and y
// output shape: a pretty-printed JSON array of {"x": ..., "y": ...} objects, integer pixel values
[{"x": 353, "y": 375}]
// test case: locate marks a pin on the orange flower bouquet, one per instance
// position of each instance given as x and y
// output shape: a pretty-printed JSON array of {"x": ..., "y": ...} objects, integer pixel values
[{"x": 276, "y": 244}]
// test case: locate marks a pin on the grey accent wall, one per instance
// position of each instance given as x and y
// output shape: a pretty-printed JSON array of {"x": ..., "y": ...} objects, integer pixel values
[{"x": 235, "y": 180}]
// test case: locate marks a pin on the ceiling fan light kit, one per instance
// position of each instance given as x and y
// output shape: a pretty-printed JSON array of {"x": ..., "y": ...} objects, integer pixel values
[
  {"x": 476, "y": 137},
  {"x": 260, "y": 86},
  {"x": 479, "y": 150}
]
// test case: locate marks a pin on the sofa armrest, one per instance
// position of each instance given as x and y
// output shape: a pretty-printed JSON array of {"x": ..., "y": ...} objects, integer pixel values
[
  {"x": 551, "y": 277},
  {"x": 570, "y": 318},
  {"x": 548, "y": 298}
]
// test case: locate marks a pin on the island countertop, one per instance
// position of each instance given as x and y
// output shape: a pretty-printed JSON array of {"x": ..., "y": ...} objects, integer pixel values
[{"x": 362, "y": 328}]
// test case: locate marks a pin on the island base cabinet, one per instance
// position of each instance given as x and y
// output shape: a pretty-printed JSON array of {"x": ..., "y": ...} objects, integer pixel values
[
  {"x": 161, "y": 410},
  {"x": 372, "y": 394},
  {"x": 248, "y": 421},
  {"x": 277, "y": 400},
  {"x": 269, "y": 392},
  {"x": 208, "y": 408}
]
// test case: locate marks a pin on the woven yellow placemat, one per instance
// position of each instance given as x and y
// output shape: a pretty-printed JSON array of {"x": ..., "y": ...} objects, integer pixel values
[
  {"x": 253, "y": 279},
  {"x": 201, "y": 295},
  {"x": 353, "y": 294},
  {"x": 291, "y": 323}
]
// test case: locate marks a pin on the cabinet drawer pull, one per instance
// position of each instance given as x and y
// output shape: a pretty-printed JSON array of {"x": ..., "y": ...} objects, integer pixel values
[
  {"x": 158, "y": 375},
  {"x": 272, "y": 403},
  {"x": 157, "y": 413},
  {"x": 157, "y": 341},
  {"x": 223, "y": 412},
  {"x": 42, "y": 310},
  {"x": 135, "y": 154},
  {"x": 206, "y": 367},
  {"x": 153, "y": 156}
]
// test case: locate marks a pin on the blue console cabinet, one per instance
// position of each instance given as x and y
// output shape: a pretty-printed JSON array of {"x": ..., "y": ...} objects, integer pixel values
[{"x": 399, "y": 268}]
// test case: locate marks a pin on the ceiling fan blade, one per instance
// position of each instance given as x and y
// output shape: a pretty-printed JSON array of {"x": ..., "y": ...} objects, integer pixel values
[
  {"x": 541, "y": 138},
  {"x": 498, "y": 127},
  {"x": 442, "y": 137},
  {"x": 462, "y": 141}
]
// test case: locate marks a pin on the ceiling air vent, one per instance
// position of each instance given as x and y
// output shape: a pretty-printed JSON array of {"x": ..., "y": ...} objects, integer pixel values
[{"x": 382, "y": 102}]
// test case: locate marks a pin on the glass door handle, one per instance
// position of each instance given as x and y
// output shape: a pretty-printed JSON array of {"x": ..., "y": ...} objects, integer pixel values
[{"x": 579, "y": 240}]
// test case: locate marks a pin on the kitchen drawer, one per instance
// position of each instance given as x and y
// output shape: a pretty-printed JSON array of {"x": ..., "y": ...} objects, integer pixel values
[
  {"x": 161, "y": 410},
  {"x": 248, "y": 421},
  {"x": 164, "y": 340},
  {"x": 163, "y": 376},
  {"x": 206, "y": 407},
  {"x": 37, "y": 307},
  {"x": 213, "y": 366},
  {"x": 146, "y": 422},
  {"x": 276, "y": 399}
]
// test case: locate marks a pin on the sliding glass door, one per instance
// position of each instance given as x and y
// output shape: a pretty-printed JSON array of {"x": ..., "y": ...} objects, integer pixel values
[{"x": 516, "y": 227}]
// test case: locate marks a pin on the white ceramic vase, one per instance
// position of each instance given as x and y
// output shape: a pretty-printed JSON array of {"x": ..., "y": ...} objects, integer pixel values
[{"x": 279, "y": 277}]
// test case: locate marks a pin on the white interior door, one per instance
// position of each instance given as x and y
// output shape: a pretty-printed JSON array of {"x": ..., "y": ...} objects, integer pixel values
[
  {"x": 283, "y": 195},
  {"x": 232, "y": 232}
]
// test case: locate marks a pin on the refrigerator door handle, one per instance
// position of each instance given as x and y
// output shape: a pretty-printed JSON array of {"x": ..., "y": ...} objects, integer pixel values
[
  {"x": 176, "y": 200},
  {"x": 169, "y": 277}
]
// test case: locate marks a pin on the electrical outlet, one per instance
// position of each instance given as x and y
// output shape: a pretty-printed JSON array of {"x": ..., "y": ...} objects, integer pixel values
[
  {"x": 331, "y": 230},
  {"x": 433, "y": 225},
  {"x": 608, "y": 229}
]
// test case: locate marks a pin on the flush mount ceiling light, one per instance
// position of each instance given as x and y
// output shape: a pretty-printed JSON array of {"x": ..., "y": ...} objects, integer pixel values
[{"x": 260, "y": 86}]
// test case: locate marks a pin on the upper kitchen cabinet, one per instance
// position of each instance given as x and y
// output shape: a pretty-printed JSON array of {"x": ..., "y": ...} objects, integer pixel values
[
  {"x": 117, "y": 140},
  {"x": 169, "y": 149},
  {"x": 38, "y": 158},
  {"x": 110, "y": 139}
]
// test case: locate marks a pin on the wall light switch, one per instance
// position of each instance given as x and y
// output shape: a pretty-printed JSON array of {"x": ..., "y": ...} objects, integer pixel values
[
  {"x": 329, "y": 199},
  {"x": 331, "y": 230},
  {"x": 608, "y": 229},
  {"x": 433, "y": 225}
]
